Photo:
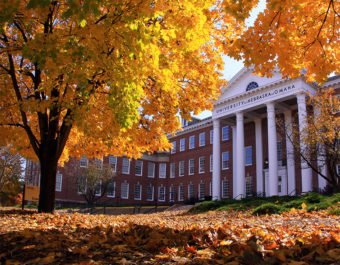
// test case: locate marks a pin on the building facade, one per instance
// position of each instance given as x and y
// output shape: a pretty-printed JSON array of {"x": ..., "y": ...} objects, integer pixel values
[{"x": 241, "y": 150}]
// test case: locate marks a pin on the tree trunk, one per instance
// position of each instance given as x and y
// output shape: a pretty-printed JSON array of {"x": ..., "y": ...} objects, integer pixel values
[{"x": 48, "y": 171}]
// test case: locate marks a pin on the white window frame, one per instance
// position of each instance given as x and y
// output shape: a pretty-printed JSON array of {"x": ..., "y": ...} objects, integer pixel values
[
  {"x": 99, "y": 163},
  {"x": 200, "y": 171},
  {"x": 181, "y": 165},
  {"x": 161, "y": 165},
  {"x": 159, "y": 193},
  {"x": 180, "y": 192},
  {"x": 128, "y": 160},
  {"x": 191, "y": 142},
  {"x": 191, "y": 165},
  {"x": 153, "y": 169},
  {"x": 224, "y": 168},
  {"x": 225, "y": 137},
  {"x": 83, "y": 178},
  {"x": 58, "y": 184},
  {"x": 199, "y": 191},
  {"x": 248, "y": 186},
  {"x": 193, "y": 191},
  {"x": 246, "y": 149},
  {"x": 201, "y": 139},
  {"x": 113, "y": 162},
  {"x": 172, "y": 170},
  {"x": 84, "y": 160},
  {"x": 225, "y": 193},
  {"x": 140, "y": 192},
  {"x": 127, "y": 188},
  {"x": 100, "y": 189},
  {"x": 114, "y": 191},
  {"x": 182, "y": 144},
  {"x": 141, "y": 167},
  {"x": 211, "y": 136},
  {"x": 173, "y": 148},
  {"x": 211, "y": 163},
  {"x": 153, "y": 193},
  {"x": 171, "y": 193}
]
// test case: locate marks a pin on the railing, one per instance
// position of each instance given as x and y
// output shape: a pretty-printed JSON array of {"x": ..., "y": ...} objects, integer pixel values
[
  {"x": 240, "y": 196},
  {"x": 292, "y": 193}
]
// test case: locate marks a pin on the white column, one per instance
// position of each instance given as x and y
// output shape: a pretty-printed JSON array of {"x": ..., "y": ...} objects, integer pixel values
[
  {"x": 234, "y": 162},
  {"x": 290, "y": 152},
  {"x": 272, "y": 150},
  {"x": 306, "y": 171},
  {"x": 259, "y": 155},
  {"x": 216, "y": 175},
  {"x": 240, "y": 179}
]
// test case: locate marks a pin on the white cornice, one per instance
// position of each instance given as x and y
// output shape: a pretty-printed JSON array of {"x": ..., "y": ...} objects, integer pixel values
[{"x": 199, "y": 125}]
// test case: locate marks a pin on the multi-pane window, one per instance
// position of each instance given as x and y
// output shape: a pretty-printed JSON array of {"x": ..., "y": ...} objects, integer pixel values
[
  {"x": 191, "y": 166},
  {"x": 161, "y": 193},
  {"x": 126, "y": 166},
  {"x": 181, "y": 192},
  {"x": 149, "y": 192},
  {"x": 173, "y": 149},
  {"x": 58, "y": 181},
  {"x": 171, "y": 193},
  {"x": 210, "y": 188},
  {"x": 225, "y": 133},
  {"x": 124, "y": 190},
  {"x": 190, "y": 191},
  {"x": 225, "y": 160},
  {"x": 139, "y": 168},
  {"x": 181, "y": 168},
  {"x": 99, "y": 163},
  {"x": 98, "y": 188},
  {"x": 113, "y": 163},
  {"x": 225, "y": 188},
  {"x": 172, "y": 170},
  {"x": 202, "y": 139},
  {"x": 111, "y": 189},
  {"x": 211, "y": 136},
  {"x": 182, "y": 145},
  {"x": 138, "y": 192},
  {"x": 192, "y": 142},
  {"x": 249, "y": 186},
  {"x": 151, "y": 170},
  {"x": 249, "y": 155},
  {"x": 162, "y": 170},
  {"x": 279, "y": 151},
  {"x": 84, "y": 161},
  {"x": 81, "y": 184},
  {"x": 201, "y": 191},
  {"x": 211, "y": 163},
  {"x": 201, "y": 164}
]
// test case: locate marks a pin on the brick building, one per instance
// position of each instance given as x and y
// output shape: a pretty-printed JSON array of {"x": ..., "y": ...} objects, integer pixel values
[{"x": 242, "y": 149}]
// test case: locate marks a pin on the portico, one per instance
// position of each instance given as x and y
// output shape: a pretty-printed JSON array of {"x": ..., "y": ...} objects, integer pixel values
[{"x": 252, "y": 99}]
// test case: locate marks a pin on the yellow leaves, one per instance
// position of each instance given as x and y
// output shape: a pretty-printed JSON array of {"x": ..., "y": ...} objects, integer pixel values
[{"x": 82, "y": 23}]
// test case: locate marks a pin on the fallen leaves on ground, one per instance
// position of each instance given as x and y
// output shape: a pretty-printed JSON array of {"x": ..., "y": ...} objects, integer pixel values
[{"x": 296, "y": 237}]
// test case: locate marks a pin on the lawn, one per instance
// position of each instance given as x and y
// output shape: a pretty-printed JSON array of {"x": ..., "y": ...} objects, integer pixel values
[{"x": 213, "y": 237}]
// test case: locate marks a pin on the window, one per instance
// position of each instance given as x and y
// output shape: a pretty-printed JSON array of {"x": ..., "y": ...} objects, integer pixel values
[
  {"x": 182, "y": 145},
  {"x": 181, "y": 168},
  {"x": 149, "y": 192},
  {"x": 113, "y": 163},
  {"x": 211, "y": 163},
  {"x": 211, "y": 136},
  {"x": 161, "y": 193},
  {"x": 138, "y": 192},
  {"x": 162, "y": 170},
  {"x": 249, "y": 186},
  {"x": 225, "y": 133},
  {"x": 191, "y": 166},
  {"x": 190, "y": 191},
  {"x": 225, "y": 160},
  {"x": 279, "y": 151},
  {"x": 172, "y": 170},
  {"x": 249, "y": 155},
  {"x": 181, "y": 193},
  {"x": 210, "y": 188},
  {"x": 201, "y": 164},
  {"x": 111, "y": 189},
  {"x": 99, "y": 163},
  {"x": 124, "y": 190},
  {"x": 58, "y": 181},
  {"x": 84, "y": 161},
  {"x": 202, "y": 139},
  {"x": 81, "y": 184},
  {"x": 172, "y": 193},
  {"x": 139, "y": 168},
  {"x": 173, "y": 149},
  {"x": 201, "y": 191},
  {"x": 98, "y": 188},
  {"x": 151, "y": 170},
  {"x": 126, "y": 166},
  {"x": 192, "y": 142},
  {"x": 184, "y": 122},
  {"x": 225, "y": 188}
]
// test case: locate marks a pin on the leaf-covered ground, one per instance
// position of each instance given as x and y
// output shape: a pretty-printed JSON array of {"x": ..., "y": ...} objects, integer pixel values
[{"x": 295, "y": 237}]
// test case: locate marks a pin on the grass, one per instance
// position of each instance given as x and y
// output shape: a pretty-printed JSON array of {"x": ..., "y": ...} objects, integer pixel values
[{"x": 275, "y": 204}]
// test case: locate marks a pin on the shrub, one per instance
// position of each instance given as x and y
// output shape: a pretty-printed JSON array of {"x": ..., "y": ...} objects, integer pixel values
[
  {"x": 313, "y": 197},
  {"x": 267, "y": 208},
  {"x": 334, "y": 211}
]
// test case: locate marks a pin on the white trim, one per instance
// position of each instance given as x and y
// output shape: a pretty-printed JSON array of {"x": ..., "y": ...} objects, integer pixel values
[
  {"x": 179, "y": 193},
  {"x": 61, "y": 182},
  {"x": 159, "y": 171},
  {"x": 125, "y": 159},
  {"x": 140, "y": 192},
  {"x": 190, "y": 142},
  {"x": 172, "y": 170},
  {"x": 179, "y": 168},
  {"x": 153, "y": 193},
  {"x": 245, "y": 155},
  {"x": 141, "y": 170},
  {"x": 128, "y": 190},
  {"x": 193, "y": 165},
  {"x": 202, "y": 134},
  {"x": 199, "y": 165},
  {"x": 114, "y": 191},
  {"x": 211, "y": 161},
  {"x": 85, "y": 160},
  {"x": 153, "y": 169},
  {"x": 211, "y": 136},
  {"x": 224, "y": 168},
  {"x": 227, "y": 136},
  {"x": 111, "y": 157},
  {"x": 173, "y": 148},
  {"x": 182, "y": 147},
  {"x": 159, "y": 192}
]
